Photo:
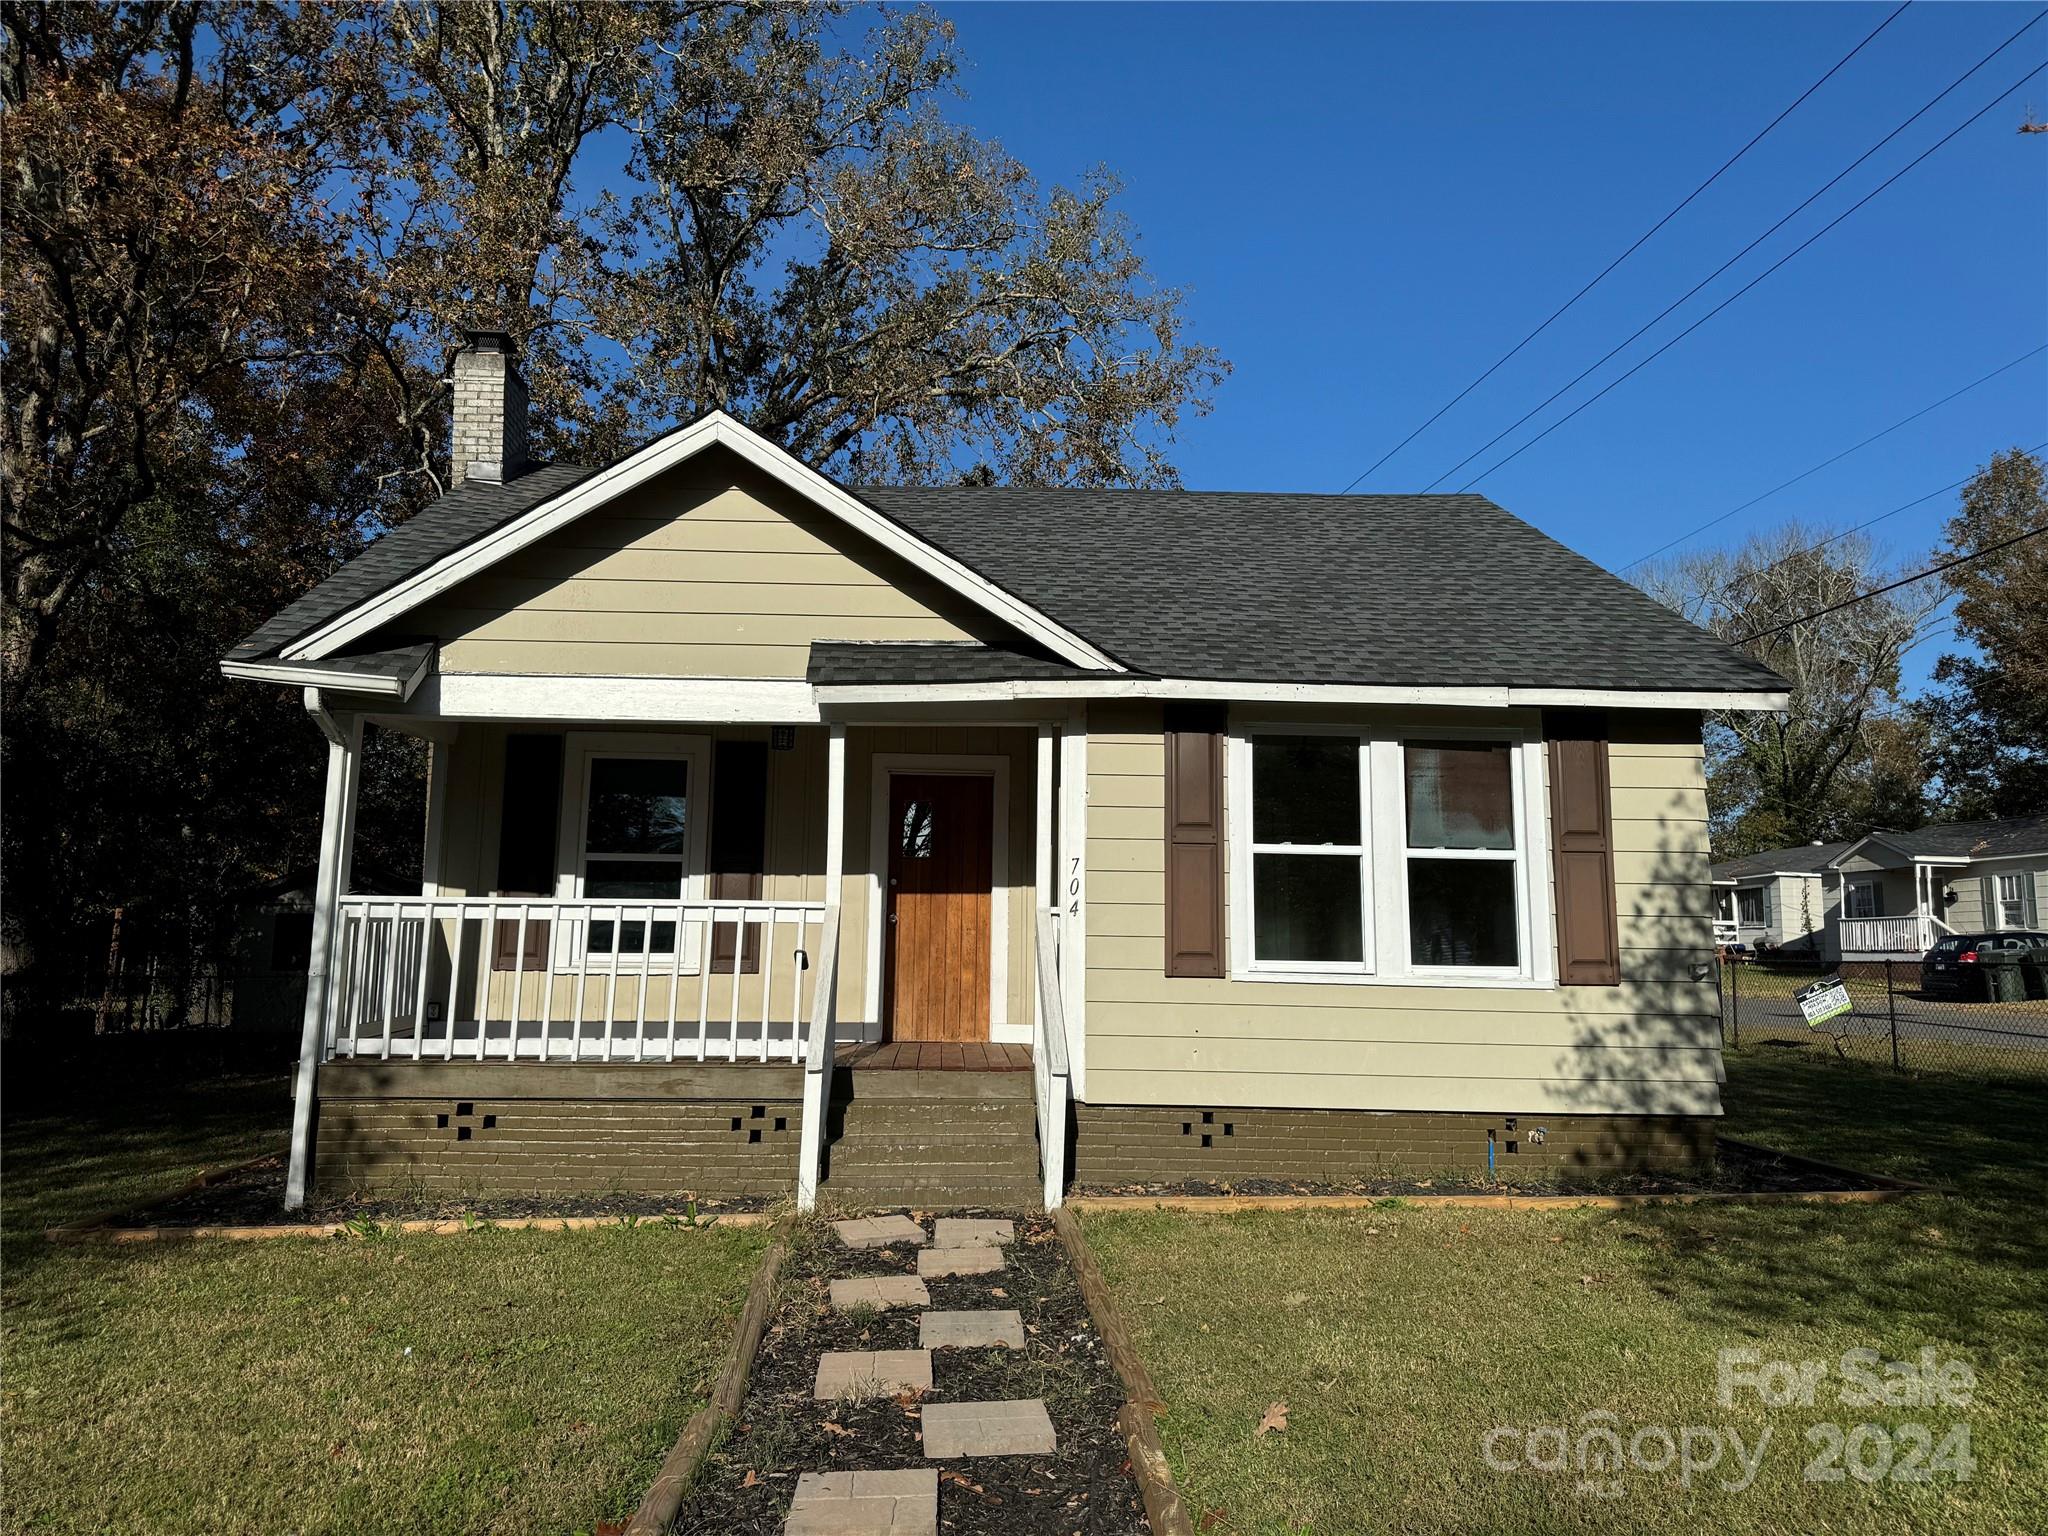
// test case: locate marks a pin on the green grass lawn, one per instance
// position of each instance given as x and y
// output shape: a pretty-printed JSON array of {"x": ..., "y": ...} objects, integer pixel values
[
  {"x": 1399, "y": 1337},
  {"x": 499, "y": 1381}
]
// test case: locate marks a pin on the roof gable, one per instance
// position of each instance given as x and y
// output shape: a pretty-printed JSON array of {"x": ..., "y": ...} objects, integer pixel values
[{"x": 462, "y": 535}]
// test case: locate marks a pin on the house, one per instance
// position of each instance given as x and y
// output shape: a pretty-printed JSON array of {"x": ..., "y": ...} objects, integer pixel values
[
  {"x": 938, "y": 843},
  {"x": 1776, "y": 900},
  {"x": 1900, "y": 891},
  {"x": 1889, "y": 895}
]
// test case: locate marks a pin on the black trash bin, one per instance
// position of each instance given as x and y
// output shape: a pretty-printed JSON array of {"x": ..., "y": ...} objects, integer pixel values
[
  {"x": 2002, "y": 980},
  {"x": 2034, "y": 973}
]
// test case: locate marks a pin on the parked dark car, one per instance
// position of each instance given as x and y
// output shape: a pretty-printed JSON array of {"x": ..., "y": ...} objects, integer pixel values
[{"x": 1950, "y": 969}]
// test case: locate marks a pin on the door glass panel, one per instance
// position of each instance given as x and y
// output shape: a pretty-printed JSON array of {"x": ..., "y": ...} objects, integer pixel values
[
  {"x": 915, "y": 834},
  {"x": 1460, "y": 794},
  {"x": 1308, "y": 908},
  {"x": 638, "y": 805},
  {"x": 1305, "y": 790}
]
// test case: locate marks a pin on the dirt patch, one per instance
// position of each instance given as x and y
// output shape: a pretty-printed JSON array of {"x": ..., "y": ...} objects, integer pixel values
[
  {"x": 1084, "y": 1486},
  {"x": 253, "y": 1196},
  {"x": 1736, "y": 1170}
]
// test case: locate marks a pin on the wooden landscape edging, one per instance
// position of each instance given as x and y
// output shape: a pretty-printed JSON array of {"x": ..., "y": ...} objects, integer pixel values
[
  {"x": 99, "y": 1232},
  {"x": 686, "y": 1457},
  {"x": 100, "y": 1228},
  {"x": 1138, "y": 1418},
  {"x": 1882, "y": 1190}
]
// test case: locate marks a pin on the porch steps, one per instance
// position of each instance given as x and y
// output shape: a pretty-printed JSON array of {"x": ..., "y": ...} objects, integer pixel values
[{"x": 933, "y": 1140}]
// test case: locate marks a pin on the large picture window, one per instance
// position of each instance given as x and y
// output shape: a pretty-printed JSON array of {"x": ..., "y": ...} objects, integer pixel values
[
  {"x": 1749, "y": 907},
  {"x": 1346, "y": 835}
]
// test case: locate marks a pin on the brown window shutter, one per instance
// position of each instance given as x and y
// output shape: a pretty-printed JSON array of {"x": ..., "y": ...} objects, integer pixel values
[
  {"x": 505, "y": 951},
  {"x": 1582, "y": 845},
  {"x": 1194, "y": 841},
  {"x": 739, "y": 845}
]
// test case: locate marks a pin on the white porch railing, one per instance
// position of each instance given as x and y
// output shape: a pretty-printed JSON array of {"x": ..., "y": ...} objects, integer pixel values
[
  {"x": 1049, "y": 1066},
  {"x": 1725, "y": 931},
  {"x": 1890, "y": 935},
  {"x": 478, "y": 978},
  {"x": 818, "y": 1063}
]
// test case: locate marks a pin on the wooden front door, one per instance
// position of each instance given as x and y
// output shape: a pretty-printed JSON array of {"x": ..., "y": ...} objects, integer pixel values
[{"x": 937, "y": 908}]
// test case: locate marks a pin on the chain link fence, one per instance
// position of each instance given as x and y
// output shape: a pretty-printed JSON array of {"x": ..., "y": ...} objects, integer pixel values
[{"x": 1984, "y": 1030}]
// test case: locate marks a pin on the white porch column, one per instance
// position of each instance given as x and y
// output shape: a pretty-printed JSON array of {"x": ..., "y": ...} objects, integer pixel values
[
  {"x": 1070, "y": 893},
  {"x": 835, "y": 813},
  {"x": 337, "y": 837},
  {"x": 1043, "y": 856}
]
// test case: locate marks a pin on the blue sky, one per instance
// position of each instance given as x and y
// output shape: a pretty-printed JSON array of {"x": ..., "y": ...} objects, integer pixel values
[{"x": 1369, "y": 204}]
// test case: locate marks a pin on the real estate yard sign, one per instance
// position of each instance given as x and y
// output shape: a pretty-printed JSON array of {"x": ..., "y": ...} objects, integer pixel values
[{"x": 1823, "y": 1000}]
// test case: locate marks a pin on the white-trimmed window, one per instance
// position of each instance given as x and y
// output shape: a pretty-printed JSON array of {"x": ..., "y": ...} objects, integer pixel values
[
  {"x": 1749, "y": 906},
  {"x": 634, "y": 834},
  {"x": 1370, "y": 856},
  {"x": 1866, "y": 898},
  {"x": 2012, "y": 901}
]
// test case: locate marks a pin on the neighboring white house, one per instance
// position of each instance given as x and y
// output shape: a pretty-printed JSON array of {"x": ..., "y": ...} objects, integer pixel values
[
  {"x": 1779, "y": 899},
  {"x": 1207, "y": 836},
  {"x": 1887, "y": 895}
]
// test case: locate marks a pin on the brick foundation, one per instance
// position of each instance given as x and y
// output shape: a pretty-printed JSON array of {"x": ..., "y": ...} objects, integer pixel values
[
  {"x": 455, "y": 1128},
  {"x": 1122, "y": 1144}
]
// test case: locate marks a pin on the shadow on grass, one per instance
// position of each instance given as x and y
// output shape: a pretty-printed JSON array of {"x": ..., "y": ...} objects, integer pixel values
[
  {"x": 1955, "y": 1267},
  {"x": 124, "y": 1121}
]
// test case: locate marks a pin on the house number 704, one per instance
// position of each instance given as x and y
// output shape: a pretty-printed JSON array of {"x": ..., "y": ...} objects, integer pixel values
[{"x": 1074, "y": 887}]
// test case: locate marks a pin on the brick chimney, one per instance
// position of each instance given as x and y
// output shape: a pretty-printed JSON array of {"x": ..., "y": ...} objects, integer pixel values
[{"x": 489, "y": 439}]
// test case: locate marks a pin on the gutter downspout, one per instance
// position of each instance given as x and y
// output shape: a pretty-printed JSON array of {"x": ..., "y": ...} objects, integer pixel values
[{"x": 337, "y": 836}]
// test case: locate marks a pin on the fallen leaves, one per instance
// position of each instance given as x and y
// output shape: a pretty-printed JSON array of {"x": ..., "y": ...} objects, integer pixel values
[{"x": 1274, "y": 1419}]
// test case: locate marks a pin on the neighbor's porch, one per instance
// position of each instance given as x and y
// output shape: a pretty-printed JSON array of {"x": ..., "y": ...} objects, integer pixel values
[{"x": 1891, "y": 911}]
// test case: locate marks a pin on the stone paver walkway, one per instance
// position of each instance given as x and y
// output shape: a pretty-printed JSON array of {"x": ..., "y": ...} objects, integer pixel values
[
  {"x": 872, "y": 1373},
  {"x": 935, "y": 1263},
  {"x": 878, "y": 1231},
  {"x": 971, "y": 1330},
  {"x": 987, "y": 1429},
  {"x": 879, "y": 1292},
  {"x": 906, "y": 1502}
]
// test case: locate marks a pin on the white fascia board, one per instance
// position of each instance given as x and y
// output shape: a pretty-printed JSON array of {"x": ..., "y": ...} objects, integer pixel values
[
  {"x": 1285, "y": 693},
  {"x": 660, "y": 700},
  {"x": 665, "y": 453},
  {"x": 298, "y": 675}
]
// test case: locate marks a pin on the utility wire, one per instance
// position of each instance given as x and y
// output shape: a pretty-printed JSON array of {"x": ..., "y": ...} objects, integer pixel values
[
  {"x": 1641, "y": 239},
  {"x": 1824, "y": 463},
  {"x": 1835, "y": 538},
  {"x": 1968, "y": 122},
  {"x": 1903, "y": 581}
]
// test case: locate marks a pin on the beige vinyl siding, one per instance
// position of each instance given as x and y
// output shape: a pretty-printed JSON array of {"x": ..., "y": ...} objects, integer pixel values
[
  {"x": 1651, "y": 1045},
  {"x": 794, "y": 860},
  {"x": 711, "y": 570}
]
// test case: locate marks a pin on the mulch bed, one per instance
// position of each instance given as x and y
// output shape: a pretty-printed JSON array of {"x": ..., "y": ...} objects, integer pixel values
[
  {"x": 1085, "y": 1486},
  {"x": 253, "y": 1196},
  {"x": 1736, "y": 1170}
]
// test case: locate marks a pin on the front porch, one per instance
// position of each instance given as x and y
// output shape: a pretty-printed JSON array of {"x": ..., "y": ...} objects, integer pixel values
[
  {"x": 787, "y": 903},
  {"x": 1891, "y": 911}
]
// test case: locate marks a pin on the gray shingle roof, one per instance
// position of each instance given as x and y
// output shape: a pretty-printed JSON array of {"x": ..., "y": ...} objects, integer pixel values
[
  {"x": 1800, "y": 859},
  {"x": 1433, "y": 590},
  {"x": 1975, "y": 839},
  {"x": 465, "y": 514},
  {"x": 888, "y": 661},
  {"x": 1445, "y": 591}
]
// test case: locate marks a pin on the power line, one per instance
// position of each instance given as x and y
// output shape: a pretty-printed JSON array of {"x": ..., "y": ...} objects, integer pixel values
[
  {"x": 1903, "y": 581},
  {"x": 1835, "y": 538},
  {"x": 1641, "y": 239},
  {"x": 1824, "y": 463},
  {"x": 1738, "y": 293}
]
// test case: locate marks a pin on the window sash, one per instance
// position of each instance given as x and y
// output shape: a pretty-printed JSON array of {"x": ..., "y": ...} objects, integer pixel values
[
  {"x": 581, "y": 940},
  {"x": 1359, "y": 852},
  {"x": 2012, "y": 902},
  {"x": 1517, "y": 819},
  {"x": 1749, "y": 908}
]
